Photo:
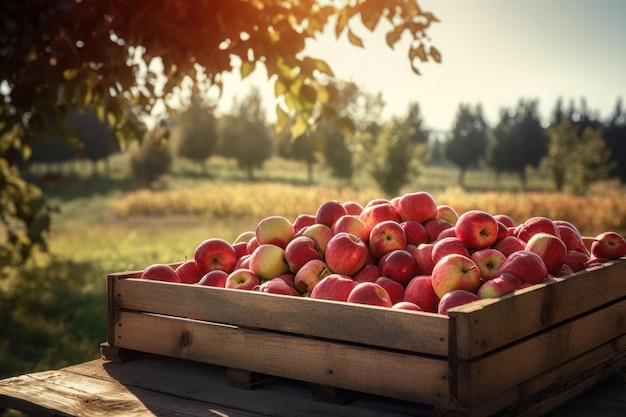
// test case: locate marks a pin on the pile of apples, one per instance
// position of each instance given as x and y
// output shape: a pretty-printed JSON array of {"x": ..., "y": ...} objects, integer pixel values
[{"x": 407, "y": 252}]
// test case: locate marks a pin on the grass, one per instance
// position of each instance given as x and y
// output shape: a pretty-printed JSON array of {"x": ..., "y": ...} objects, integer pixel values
[{"x": 53, "y": 310}]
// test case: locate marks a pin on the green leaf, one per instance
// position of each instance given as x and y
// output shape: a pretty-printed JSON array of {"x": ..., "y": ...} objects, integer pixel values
[
  {"x": 282, "y": 119},
  {"x": 394, "y": 35},
  {"x": 246, "y": 68},
  {"x": 308, "y": 93},
  {"x": 354, "y": 40},
  {"x": 300, "y": 126},
  {"x": 419, "y": 52},
  {"x": 435, "y": 54},
  {"x": 322, "y": 66}
]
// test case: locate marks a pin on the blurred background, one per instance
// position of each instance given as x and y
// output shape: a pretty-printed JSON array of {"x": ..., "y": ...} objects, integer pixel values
[{"x": 517, "y": 109}]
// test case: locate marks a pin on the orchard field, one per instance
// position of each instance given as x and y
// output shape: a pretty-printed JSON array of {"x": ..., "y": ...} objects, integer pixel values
[{"x": 53, "y": 310}]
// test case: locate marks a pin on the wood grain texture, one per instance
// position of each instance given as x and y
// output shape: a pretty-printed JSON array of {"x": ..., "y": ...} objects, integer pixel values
[
  {"x": 394, "y": 374},
  {"x": 377, "y": 326},
  {"x": 490, "y": 324}
]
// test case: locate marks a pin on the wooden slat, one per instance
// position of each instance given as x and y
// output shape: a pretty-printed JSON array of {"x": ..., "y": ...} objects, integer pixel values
[
  {"x": 376, "y": 371},
  {"x": 484, "y": 378},
  {"x": 551, "y": 389},
  {"x": 486, "y": 325},
  {"x": 377, "y": 326}
]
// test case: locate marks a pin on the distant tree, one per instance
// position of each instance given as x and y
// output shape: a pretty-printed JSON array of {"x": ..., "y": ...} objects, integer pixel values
[
  {"x": 153, "y": 158},
  {"x": 518, "y": 141},
  {"x": 337, "y": 154},
  {"x": 395, "y": 158},
  {"x": 615, "y": 135},
  {"x": 467, "y": 143},
  {"x": 196, "y": 131},
  {"x": 245, "y": 137},
  {"x": 421, "y": 133},
  {"x": 576, "y": 159}
]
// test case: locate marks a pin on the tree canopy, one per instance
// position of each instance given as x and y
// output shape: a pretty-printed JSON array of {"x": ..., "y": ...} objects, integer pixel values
[{"x": 125, "y": 60}]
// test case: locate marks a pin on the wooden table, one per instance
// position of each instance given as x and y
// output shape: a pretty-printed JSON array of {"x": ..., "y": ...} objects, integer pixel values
[{"x": 158, "y": 386}]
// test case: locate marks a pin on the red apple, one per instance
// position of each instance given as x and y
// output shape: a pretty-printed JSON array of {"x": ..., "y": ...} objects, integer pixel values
[
  {"x": 477, "y": 229},
  {"x": 277, "y": 286},
  {"x": 244, "y": 237},
  {"x": 505, "y": 219},
  {"x": 215, "y": 253},
  {"x": 385, "y": 237},
  {"x": 378, "y": 213},
  {"x": 302, "y": 221},
  {"x": 275, "y": 230},
  {"x": 499, "y": 286},
  {"x": 448, "y": 213},
  {"x": 423, "y": 256},
  {"x": 418, "y": 206},
  {"x": 563, "y": 271},
  {"x": 447, "y": 246},
  {"x": 577, "y": 261},
  {"x": 503, "y": 231},
  {"x": 268, "y": 261},
  {"x": 526, "y": 265},
  {"x": 377, "y": 201},
  {"x": 242, "y": 262},
  {"x": 299, "y": 251},
  {"x": 449, "y": 232},
  {"x": 571, "y": 237},
  {"x": 242, "y": 279},
  {"x": 289, "y": 278},
  {"x": 550, "y": 248},
  {"x": 399, "y": 265},
  {"x": 434, "y": 227},
  {"x": 407, "y": 305},
  {"x": 509, "y": 244},
  {"x": 609, "y": 245},
  {"x": 455, "y": 272},
  {"x": 346, "y": 253},
  {"x": 215, "y": 278},
  {"x": 321, "y": 234},
  {"x": 334, "y": 287},
  {"x": 253, "y": 243},
  {"x": 415, "y": 232},
  {"x": 489, "y": 261},
  {"x": 455, "y": 298},
  {"x": 160, "y": 272},
  {"x": 369, "y": 293},
  {"x": 329, "y": 211},
  {"x": 369, "y": 273},
  {"x": 420, "y": 291},
  {"x": 188, "y": 272},
  {"x": 535, "y": 225},
  {"x": 352, "y": 207},
  {"x": 310, "y": 275},
  {"x": 241, "y": 249},
  {"x": 351, "y": 223},
  {"x": 393, "y": 288}
]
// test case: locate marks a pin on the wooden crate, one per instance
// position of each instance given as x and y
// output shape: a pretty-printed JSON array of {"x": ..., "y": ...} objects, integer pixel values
[{"x": 527, "y": 352}]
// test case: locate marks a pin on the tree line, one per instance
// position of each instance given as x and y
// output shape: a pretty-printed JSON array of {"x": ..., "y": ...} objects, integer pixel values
[{"x": 574, "y": 149}]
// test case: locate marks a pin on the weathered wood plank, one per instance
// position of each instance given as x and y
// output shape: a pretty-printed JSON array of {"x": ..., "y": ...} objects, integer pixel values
[
  {"x": 486, "y": 325},
  {"x": 158, "y": 386},
  {"x": 377, "y": 326},
  {"x": 482, "y": 379},
  {"x": 383, "y": 372}
]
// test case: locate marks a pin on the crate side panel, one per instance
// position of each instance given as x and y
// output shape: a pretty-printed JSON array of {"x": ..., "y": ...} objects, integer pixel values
[
  {"x": 479, "y": 326},
  {"x": 371, "y": 325},
  {"x": 552, "y": 388},
  {"x": 388, "y": 373},
  {"x": 495, "y": 373}
]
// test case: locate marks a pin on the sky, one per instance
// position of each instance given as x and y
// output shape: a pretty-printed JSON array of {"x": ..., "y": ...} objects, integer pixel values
[{"x": 494, "y": 53}]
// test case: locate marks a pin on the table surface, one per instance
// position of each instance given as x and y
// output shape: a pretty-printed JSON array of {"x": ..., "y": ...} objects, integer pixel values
[{"x": 159, "y": 386}]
